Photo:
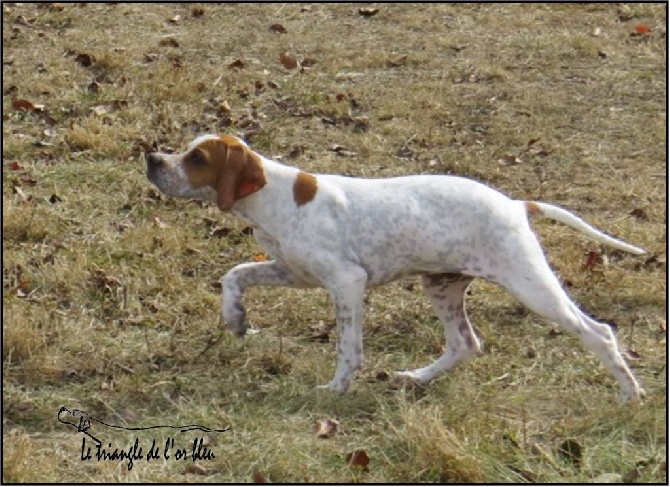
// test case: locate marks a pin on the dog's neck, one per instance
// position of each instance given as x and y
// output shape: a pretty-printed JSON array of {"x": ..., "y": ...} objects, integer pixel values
[{"x": 260, "y": 209}]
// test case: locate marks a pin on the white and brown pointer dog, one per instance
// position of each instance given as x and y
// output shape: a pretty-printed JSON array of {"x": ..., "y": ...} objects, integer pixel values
[{"x": 346, "y": 234}]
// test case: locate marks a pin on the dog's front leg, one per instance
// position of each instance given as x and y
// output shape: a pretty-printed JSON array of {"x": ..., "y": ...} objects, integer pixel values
[
  {"x": 347, "y": 289},
  {"x": 239, "y": 278}
]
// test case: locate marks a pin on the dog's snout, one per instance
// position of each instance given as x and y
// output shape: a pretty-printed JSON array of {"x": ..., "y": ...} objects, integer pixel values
[{"x": 154, "y": 161}]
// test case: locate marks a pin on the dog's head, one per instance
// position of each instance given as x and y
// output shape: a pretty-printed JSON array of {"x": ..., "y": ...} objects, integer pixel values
[{"x": 221, "y": 169}]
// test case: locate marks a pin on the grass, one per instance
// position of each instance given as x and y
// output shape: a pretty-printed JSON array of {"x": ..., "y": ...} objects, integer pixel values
[{"x": 110, "y": 297}]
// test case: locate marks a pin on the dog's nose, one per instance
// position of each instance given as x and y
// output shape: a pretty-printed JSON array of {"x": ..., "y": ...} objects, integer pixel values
[{"x": 154, "y": 161}]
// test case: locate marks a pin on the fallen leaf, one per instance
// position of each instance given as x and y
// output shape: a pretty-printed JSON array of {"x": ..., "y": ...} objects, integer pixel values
[
  {"x": 100, "y": 110},
  {"x": 103, "y": 281},
  {"x": 259, "y": 257},
  {"x": 325, "y": 428},
  {"x": 278, "y": 28},
  {"x": 341, "y": 151},
  {"x": 631, "y": 476},
  {"x": 14, "y": 166},
  {"x": 368, "y": 11},
  {"x": 25, "y": 105},
  {"x": 397, "y": 62},
  {"x": 288, "y": 61},
  {"x": 593, "y": 258},
  {"x": 107, "y": 384},
  {"x": 640, "y": 214},
  {"x": 27, "y": 181},
  {"x": 632, "y": 355},
  {"x": 196, "y": 469},
  {"x": 308, "y": 62},
  {"x": 168, "y": 42},
  {"x": 642, "y": 29},
  {"x": 509, "y": 160},
  {"x": 359, "y": 458},
  {"x": 382, "y": 376},
  {"x": 237, "y": 64},
  {"x": 220, "y": 232},
  {"x": 160, "y": 223},
  {"x": 145, "y": 146},
  {"x": 572, "y": 451},
  {"x": 223, "y": 108},
  {"x": 22, "y": 289},
  {"x": 84, "y": 59},
  {"x": 320, "y": 332},
  {"x": 258, "y": 477},
  {"x": 23, "y": 196}
]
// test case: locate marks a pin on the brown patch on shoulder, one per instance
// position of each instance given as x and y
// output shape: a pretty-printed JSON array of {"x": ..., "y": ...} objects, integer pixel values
[
  {"x": 304, "y": 188},
  {"x": 532, "y": 208}
]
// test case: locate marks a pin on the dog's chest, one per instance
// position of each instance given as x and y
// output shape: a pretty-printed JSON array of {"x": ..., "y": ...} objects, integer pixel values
[{"x": 274, "y": 250}]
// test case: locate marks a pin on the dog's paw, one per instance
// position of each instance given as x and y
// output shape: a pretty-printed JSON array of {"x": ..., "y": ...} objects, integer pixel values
[
  {"x": 407, "y": 378},
  {"x": 635, "y": 396},
  {"x": 234, "y": 316},
  {"x": 333, "y": 385}
]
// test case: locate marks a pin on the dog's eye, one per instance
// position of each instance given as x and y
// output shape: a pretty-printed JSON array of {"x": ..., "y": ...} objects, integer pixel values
[{"x": 197, "y": 158}]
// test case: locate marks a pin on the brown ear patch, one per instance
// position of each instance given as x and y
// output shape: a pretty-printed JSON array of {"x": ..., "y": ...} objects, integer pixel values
[
  {"x": 304, "y": 188},
  {"x": 228, "y": 166}
]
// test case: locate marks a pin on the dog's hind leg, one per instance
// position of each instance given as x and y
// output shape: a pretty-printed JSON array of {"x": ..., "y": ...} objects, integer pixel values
[
  {"x": 531, "y": 281},
  {"x": 446, "y": 293}
]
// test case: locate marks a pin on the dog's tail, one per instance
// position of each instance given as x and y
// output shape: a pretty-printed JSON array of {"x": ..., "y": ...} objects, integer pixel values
[{"x": 563, "y": 216}]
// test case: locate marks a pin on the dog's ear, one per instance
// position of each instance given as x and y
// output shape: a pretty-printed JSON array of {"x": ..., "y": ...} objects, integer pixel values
[{"x": 240, "y": 175}]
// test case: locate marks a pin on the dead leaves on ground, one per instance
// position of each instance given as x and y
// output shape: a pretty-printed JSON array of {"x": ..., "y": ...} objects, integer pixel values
[
  {"x": 530, "y": 151},
  {"x": 368, "y": 11},
  {"x": 290, "y": 62},
  {"x": 278, "y": 28},
  {"x": 325, "y": 428},
  {"x": 197, "y": 469},
  {"x": 258, "y": 477},
  {"x": 359, "y": 459},
  {"x": 20, "y": 104},
  {"x": 321, "y": 332}
]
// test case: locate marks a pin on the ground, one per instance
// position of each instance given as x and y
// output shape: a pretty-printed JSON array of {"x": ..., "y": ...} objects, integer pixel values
[{"x": 111, "y": 292}]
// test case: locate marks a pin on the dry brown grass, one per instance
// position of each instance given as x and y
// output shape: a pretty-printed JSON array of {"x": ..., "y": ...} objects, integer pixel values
[{"x": 109, "y": 296}]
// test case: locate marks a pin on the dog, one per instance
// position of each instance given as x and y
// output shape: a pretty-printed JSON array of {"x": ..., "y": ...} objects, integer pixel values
[{"x": 348, "y": 234}]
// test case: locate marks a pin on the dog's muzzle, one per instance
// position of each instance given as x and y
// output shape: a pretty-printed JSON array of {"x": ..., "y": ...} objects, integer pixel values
[{"x": 154, "y": 165}]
